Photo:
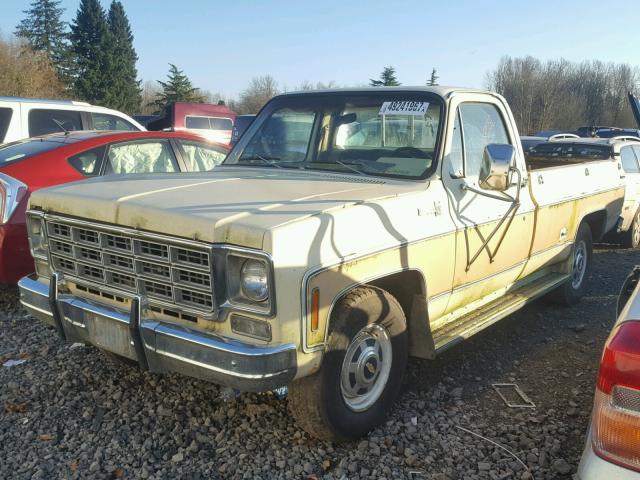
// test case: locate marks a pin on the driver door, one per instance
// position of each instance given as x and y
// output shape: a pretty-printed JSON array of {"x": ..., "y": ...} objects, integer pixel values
[{"x": 493, "y": 238}]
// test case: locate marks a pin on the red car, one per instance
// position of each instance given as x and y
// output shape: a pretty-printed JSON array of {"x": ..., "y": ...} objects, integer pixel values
[{"x": 39, "y": 162}]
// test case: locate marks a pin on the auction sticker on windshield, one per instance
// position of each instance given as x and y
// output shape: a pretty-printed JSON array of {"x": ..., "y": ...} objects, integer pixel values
[{"x": 404, "y": 108}]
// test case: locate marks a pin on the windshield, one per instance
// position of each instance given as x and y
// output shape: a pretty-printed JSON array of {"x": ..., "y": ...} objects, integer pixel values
[
  {"x": 25, "y": 148},
  {"x": 382, "y": 134}
]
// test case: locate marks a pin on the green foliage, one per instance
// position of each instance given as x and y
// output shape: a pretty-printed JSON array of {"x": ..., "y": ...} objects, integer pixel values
[
  {"x": 387, "y": 78},
  {"x": 124, "y": 92},
  {"x": 433, "y": 79},
  {"x": 45, "y": 32},
  {"x": 92, "y": 45},
  {"x": 177, "y": 88}
]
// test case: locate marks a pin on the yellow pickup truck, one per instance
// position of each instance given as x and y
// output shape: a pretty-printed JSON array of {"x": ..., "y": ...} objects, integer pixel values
[{"x": 346, "y": 231}]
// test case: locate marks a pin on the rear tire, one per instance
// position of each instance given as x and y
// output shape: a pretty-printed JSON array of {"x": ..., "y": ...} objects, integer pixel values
[
  {"x": 361, "y": 372},
  {"x": 570, "y": 292},
  {"x": 631, "y": 238}
]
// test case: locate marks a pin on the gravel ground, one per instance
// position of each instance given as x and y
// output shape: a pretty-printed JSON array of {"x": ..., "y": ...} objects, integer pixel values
[{"x": 68, "y": 412}]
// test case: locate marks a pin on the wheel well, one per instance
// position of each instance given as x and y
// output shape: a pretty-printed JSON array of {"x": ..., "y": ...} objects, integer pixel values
[
  {"x": 596, "y": 222},
  {"x": 403, "y": 286}
]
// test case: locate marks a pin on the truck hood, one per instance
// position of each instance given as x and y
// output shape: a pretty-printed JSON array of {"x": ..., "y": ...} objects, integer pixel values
[{"x": 235, "y": 205}]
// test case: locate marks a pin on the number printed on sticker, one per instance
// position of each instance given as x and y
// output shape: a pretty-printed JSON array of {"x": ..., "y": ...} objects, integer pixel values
[{"x": 404, "y": 107}]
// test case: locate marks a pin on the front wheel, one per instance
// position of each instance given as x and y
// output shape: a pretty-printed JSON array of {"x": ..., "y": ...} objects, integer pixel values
[
  {"x": 361, "y": 372},
  {"x": 570, "y": 292}
]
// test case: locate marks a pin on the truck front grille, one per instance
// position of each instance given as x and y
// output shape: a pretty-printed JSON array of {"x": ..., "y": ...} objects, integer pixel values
[{"x": 168, "y": 272}]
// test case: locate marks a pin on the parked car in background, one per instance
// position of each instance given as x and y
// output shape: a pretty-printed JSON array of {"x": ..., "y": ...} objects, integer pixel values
[
  {"x": 240, "y": 125},
  {"x": 612, "y": 450},
  {"x": 30, "y": 117},
  {"x": 29, "y": 165},
  {"x": 214, "y": 122}
]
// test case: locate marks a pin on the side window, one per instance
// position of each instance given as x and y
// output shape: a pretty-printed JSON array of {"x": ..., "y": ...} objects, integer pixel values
[
  {"x": 456, "y": 156},
  {"x": 88, "y": 163},
  {"x": 482, "y": 124},
  {"x": 43, "y": 121},
  {"x": 104, "y": 121},
  {"x": 141, "y": 157},
  {"x": 201, "y": 157},
  {"x": 628, "y": 159},
  {"x": 5, "y": 120}
]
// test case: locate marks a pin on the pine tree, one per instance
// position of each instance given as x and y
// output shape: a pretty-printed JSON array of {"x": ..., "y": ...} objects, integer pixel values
[
  {"x": 433, "y": 80},
  {"x": 387, "y": 78},
  {"x": 93, "y": 46},
  {"x": 124, "y": 92},
  {"x": 177, "y": 88},
  {"x": 45, "y": 32}
]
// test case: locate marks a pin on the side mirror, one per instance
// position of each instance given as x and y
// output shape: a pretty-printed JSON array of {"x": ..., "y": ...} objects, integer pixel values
[{"x": 496, "y": 169}]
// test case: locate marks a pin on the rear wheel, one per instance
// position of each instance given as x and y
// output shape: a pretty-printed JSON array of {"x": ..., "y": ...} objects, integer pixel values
[
  {"x": 361, "y": 372},
  {"x": 570, "y": 292},
  {"x": 631, "y": 238}
]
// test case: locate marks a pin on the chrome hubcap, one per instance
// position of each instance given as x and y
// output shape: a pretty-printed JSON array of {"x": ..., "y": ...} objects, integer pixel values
[
  {"x": 366, "y": 367},
  {"x": 636, "y": 232},
  {"x": 579, "y": 264}
]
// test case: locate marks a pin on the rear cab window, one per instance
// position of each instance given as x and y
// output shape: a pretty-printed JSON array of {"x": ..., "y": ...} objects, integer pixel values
[
  {"x": 5, "y": 121},
  {"x": 43, "y": 121},
  {"x": 208, "y": 123},
  {"x": 22, "y": 149}
]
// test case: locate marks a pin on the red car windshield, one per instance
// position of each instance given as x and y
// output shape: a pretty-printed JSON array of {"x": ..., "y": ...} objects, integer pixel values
[{"x": 22, "y": 149}]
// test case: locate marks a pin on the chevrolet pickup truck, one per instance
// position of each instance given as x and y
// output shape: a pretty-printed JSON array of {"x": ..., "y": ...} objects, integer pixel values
[{"x": 346, "y": 231}]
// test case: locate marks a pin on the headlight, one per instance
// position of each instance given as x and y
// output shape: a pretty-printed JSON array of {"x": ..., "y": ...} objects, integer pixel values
[
  {"x": 254, "y": 280},
  {"x": 249, "y": 283}
]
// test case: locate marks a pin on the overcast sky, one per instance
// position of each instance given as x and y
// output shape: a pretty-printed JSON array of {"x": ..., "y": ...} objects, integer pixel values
[{"x": 221, "y": 45}]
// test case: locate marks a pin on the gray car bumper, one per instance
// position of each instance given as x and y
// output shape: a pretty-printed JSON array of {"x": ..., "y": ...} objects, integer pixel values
[{"x": 159, "y": 346}]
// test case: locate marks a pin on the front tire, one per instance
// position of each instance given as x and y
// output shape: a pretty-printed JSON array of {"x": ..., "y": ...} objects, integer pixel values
[
  {"x": 570, "y": 292},
  {"x": 362, "y": 369}
]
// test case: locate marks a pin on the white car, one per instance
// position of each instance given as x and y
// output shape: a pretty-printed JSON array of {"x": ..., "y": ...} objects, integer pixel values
[
  {"x": 30, "y": 117},
  {"x": 612, "y": 450}
]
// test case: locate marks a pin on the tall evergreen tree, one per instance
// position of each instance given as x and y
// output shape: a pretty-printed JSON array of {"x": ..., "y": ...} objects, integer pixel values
[
  {"x": 45, "y": 32},
  {"x": 387, "y": 78},
  {"x": 177, "y": 88},
  {"x": 93, "y": 47},
  {"x": 125, "y": 91},
  {"x": 433, "y": 79}
]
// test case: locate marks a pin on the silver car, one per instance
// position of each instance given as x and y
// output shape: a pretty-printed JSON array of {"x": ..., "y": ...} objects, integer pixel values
[{"x": 612, "y": 450}]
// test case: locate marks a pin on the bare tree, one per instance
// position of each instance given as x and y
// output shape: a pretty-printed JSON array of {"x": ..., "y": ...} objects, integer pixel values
[
  {"x": 26, "y": 73},
  {"x": 559, "y": 94},
  {"x": 260, "y": 91}
]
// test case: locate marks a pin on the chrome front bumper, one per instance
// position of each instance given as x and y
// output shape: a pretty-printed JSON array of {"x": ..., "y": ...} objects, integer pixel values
[{"x": 159, "y": 346}]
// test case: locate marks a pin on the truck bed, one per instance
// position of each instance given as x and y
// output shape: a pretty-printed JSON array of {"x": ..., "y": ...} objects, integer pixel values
[{"x": 558, "y": 154}]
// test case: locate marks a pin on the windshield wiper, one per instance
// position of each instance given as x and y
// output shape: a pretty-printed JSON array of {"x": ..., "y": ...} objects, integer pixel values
[
  {"x": 349, "y": 166},
  {"x": 272, "y": 162}
]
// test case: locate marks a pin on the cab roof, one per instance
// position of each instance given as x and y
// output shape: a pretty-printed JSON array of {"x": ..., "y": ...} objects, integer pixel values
[{"x": 440, "y": 90}]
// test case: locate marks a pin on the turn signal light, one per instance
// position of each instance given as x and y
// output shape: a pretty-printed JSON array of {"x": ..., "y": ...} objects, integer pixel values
[
  {"x": 616, "y": 411},
  {"x": 315, "y": 309}
]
